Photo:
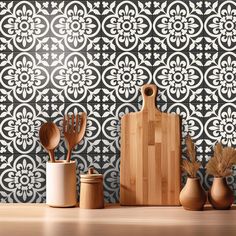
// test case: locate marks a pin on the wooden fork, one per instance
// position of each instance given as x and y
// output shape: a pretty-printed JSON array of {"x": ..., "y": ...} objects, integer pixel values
[{"x": 74, "y": 130}]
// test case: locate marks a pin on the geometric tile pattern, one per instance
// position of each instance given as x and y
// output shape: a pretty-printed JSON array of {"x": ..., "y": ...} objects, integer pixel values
[{"x": 60, "y": 57}]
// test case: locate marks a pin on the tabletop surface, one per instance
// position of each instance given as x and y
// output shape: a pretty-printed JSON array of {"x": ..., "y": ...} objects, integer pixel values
[{"x": 40, "y": 219}]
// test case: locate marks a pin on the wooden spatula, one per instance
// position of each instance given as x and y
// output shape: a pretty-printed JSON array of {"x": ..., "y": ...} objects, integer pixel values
[{"x": 74, "y": 129}]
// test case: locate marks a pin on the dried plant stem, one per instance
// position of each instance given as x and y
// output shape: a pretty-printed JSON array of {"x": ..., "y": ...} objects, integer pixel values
[{"x": 190, "y": 165}]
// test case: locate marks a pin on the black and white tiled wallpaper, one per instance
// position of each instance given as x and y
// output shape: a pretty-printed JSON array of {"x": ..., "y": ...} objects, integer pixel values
[{"x": 71, "y": 56}]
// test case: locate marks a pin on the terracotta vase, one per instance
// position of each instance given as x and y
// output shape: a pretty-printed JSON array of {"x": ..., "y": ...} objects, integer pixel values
[
  {"x": 220, "y": 195},
  {"x": 193, "y": 197}
]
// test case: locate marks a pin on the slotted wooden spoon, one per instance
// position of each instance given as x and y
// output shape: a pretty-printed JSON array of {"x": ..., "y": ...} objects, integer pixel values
[
  {"x": 49, "y": 136},
  {"x": 74, "y": 130}
]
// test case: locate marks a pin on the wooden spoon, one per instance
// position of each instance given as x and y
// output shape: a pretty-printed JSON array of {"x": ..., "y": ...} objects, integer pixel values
[{"x": 49, "y": 136}]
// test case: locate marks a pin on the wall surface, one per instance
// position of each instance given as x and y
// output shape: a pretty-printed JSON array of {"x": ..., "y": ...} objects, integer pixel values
[{"x": 58, "y": 57}]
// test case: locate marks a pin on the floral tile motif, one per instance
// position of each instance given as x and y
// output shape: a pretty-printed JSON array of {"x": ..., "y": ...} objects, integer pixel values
[
  {"x": 126, "y": 26},
  {"x": 219, "y": 26},
  {"x": 76, "y": 79},
  {"x": 124, "y": 74},
  {"x": 20, "y": 125},
  {"x": 179, "y": 77},
  {"x": 23, "y": 78},
  {"x": 23, "y": 178},
  {"x": 23, "y": 26},
  {"x": 220, "y": 78},
  {"x": 76, "y": 25},
  {"x": 220, "y": 124},
  {"x": 177, "y": 25}
]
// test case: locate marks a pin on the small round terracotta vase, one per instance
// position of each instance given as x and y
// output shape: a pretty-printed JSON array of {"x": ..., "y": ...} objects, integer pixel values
[
  {"x": 220, "y": 195},
  {"x": 193, "y": 197}
]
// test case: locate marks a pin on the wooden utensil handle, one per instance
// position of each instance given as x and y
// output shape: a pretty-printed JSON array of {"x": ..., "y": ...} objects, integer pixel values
[
  {"x": 51, "y": 155},
  {"x": 68, "y": 154},
  {"x": 149, "y": 93}
]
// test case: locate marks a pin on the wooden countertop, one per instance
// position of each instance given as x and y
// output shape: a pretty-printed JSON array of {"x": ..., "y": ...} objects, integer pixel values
[{"x": 39, "y": 219}]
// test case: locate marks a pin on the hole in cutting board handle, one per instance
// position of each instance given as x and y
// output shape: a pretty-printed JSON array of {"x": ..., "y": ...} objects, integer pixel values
[{"x": 148, "y": 92}]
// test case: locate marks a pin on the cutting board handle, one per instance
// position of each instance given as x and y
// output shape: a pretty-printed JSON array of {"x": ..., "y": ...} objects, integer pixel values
[{"x": 149, "y": 93}]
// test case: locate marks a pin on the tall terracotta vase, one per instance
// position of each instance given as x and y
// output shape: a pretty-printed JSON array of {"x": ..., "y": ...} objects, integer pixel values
[
  {"x": 193, "y": 197},
  {"x": 220, "y": 195}
]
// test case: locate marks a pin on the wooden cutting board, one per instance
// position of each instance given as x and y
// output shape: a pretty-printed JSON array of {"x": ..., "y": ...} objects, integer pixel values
[{"x": 150, "y": 155}]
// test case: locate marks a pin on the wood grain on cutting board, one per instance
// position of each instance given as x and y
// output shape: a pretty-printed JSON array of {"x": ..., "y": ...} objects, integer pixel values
[{"x": 150, "y": 155}]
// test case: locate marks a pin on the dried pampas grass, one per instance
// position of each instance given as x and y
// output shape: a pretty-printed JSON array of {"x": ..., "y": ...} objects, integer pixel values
[
  {"x": 220, "y": 165},
  {"x": 190, "y": 165}
]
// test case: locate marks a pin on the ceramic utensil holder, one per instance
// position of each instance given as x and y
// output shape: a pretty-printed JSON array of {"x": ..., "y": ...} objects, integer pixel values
[
  {"x": 61, "y": 184},
  {"x": 91, "y": 191}
]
